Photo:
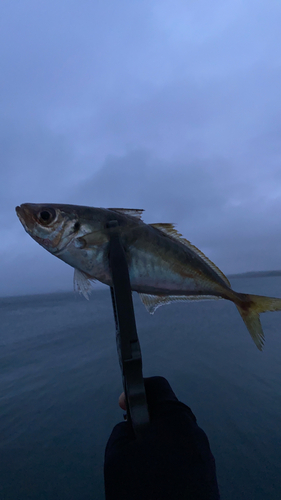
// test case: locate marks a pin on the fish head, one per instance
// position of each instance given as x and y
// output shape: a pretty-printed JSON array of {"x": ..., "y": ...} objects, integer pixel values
[{"x": 54, "y": 227}]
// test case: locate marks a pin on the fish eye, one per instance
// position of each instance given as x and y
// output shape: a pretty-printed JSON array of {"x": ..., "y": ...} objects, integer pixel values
[{"x": 47, "y": 216}]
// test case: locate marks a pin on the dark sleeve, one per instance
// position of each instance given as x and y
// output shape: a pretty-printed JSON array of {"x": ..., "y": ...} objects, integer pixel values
[{"x": 173, "y": 459}]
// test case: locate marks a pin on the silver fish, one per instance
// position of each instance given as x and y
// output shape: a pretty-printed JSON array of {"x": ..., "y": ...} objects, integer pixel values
[{"x": 163, "y": 266}]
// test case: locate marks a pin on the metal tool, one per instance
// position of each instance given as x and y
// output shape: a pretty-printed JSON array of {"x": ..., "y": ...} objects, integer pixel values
[{"x": 127, "y": 341}]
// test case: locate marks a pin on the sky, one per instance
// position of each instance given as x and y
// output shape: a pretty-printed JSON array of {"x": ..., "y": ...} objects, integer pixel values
[{"x": 169, "y": 106}]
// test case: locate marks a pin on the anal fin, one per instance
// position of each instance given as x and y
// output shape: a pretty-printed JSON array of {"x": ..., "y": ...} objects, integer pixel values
[{"x": 152, "y": 302}]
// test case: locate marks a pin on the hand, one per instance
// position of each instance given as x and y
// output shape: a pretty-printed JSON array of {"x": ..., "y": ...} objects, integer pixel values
[
  {"x": 173, "y": 459},
  {"x": 122, "y": 401}
]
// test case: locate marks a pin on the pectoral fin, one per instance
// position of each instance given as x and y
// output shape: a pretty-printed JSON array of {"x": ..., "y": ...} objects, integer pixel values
[{"x": 96, "y": 238}]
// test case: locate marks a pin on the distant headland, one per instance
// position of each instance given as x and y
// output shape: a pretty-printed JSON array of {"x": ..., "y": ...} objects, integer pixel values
[{"x": 255, "y": 274}]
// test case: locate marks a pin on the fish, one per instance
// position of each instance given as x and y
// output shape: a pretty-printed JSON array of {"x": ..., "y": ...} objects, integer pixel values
[{"x": 163, "y": 266}]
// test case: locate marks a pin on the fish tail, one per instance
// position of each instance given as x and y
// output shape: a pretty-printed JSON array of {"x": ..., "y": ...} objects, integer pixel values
[{"x": 250, "y": 307}]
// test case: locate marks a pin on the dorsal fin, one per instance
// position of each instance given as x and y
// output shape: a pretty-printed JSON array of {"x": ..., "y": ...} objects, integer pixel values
[
  {"x": 170, "y": 230},
  {"x": 152, "y": 302},
  {"x": 133, "y": 212}
]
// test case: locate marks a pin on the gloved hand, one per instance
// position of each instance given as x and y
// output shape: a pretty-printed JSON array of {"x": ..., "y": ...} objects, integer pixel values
[{"x": 171, "y": 461}]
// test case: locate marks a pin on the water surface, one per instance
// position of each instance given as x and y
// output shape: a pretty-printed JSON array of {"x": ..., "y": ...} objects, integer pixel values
[{"x": 60, "y": 383}]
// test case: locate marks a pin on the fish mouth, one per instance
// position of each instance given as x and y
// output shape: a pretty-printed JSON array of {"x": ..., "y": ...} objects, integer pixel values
[
  {"x": 19, "y": 211},
  {"x": 25, "y": 217}
]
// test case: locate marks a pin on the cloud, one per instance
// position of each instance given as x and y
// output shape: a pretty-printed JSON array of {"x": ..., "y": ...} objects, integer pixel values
[
  {"x": 229, "y": 218},
  {"x": 169, "y": 106}
]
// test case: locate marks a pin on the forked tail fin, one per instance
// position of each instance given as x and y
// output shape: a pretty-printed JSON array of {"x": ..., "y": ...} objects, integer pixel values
[{"x": 250, "y": 308}]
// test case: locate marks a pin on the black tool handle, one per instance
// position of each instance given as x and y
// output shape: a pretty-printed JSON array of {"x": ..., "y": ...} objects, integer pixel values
[{"x": 128, "y": 346}]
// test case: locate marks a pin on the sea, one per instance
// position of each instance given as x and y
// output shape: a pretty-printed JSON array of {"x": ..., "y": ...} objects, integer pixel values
[{"x": 60, "y": 383}]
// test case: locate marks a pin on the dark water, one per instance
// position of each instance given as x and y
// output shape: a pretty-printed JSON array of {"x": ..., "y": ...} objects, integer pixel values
[{"x": 60, "y": 384}]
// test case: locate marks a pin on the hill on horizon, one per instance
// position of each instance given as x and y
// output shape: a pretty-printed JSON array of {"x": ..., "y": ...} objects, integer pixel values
[{"x": 255, "y": 274}]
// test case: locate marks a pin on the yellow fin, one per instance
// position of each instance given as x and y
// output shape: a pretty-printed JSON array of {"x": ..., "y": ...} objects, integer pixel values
[
  {"x": 133, "y": 212},
  {"x": 250, "y": 309},
  {"x": 152, "y": 302},
  {"x": 170, "y": 230}
]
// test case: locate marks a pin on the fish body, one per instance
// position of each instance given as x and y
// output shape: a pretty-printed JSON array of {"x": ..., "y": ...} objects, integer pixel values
[{"x": 163, "y": 266}]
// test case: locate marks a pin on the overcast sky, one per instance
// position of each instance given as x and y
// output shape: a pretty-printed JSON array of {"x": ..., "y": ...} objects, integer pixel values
[{"x": 170, "y": 106}]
